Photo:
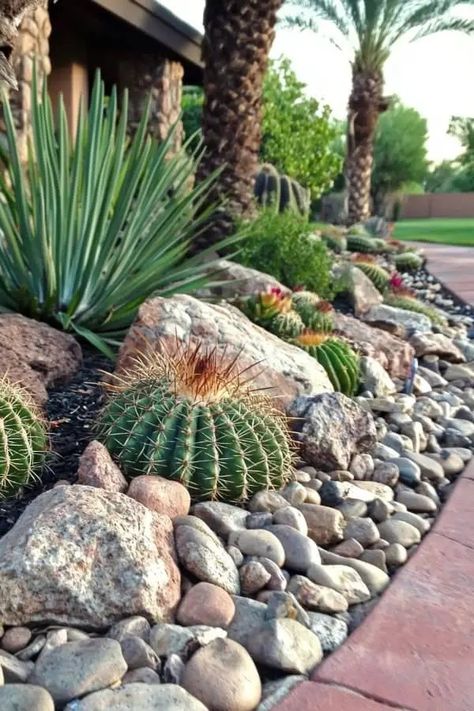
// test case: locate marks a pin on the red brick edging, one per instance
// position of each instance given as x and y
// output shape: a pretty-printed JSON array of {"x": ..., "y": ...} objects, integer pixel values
[{"x": 415, "y": 651}]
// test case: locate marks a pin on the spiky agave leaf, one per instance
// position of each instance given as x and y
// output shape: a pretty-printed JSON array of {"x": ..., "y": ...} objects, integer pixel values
[
  {"x": 187, "y": 414},
  {"x": 23, "y": 439}
]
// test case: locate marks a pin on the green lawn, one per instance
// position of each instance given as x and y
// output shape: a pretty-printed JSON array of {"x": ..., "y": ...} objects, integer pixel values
[{"x": 459, "y": 232}]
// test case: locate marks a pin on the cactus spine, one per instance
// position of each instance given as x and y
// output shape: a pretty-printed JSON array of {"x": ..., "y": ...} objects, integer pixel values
[
  {"x": 184, "y": 417},
  {"x": 338, "y": 359},
  {"x": 23, "y": 440},
  {"x": 281, "y": 192}
]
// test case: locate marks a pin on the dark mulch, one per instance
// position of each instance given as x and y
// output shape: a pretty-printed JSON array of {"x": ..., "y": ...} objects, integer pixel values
[{"x": 72, "y": 410}]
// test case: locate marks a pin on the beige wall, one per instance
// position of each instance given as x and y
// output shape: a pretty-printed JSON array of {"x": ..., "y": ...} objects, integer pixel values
[{"x": 438, "y": 205}]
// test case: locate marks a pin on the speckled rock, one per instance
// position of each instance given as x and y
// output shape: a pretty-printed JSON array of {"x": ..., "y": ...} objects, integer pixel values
[
  {"x": 50, "y": 571},
  {"x": 164, "y": 496},
  {"x": 220, "y": 517},
  {"x": 341, "y": 578},
  {"x": 300, "y": 551},
  {"x": 206, "y": 604},
  {"x": 316, "y": 597},
  {"x": 25, "y": 697},
  {"x": 330, "y": 631},
  {"x": 96, "y": 468},
  {"x": 145, "y": 697},
  {"x": 325, "y": 525}
]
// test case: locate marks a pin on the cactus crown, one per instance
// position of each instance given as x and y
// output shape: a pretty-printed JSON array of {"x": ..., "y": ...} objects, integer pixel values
[
  {"x": 23, "y": 439},
  {"x": 184, "y": 416}
]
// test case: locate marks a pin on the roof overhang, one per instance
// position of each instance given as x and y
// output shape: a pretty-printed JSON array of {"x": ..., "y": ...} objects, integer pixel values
[{"x": 159, "y": 23}]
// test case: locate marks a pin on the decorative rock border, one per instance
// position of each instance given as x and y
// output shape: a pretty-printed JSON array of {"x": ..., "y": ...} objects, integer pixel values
[{"x": 415, "y": 650}]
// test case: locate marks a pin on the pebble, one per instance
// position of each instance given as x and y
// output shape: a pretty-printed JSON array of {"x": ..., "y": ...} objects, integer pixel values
[
  {"x": 142, "y": 675},
  {"x": 223, "y": 676},
  {"x": 285, "y": 604},
  {"x": 164, "y": 496},
  {"x": 253, "y": 577},
  {"x": 383, "y": 452},
  {"x": 130, "y": 627},
  {"x": 395, "y": 555},
  {"x": 14, "y": 670},
  {"x": 381, "y": 491},
  {"x": 312, "y": 496},
  {"x": 325, "y": 525},
  {"x": 386, "y": 473},
  {"x": 330, "y": 631},
  {"x": 352, "y": 508},
  {"x": 451, "y": 462},
  {"x": 267, "y": 501},
  {"x": 341, "y": 578},
  {"x": 427, "y": 489},
  {"x": 15, "y": 639},
  {"x": 350, "y": 548},
  {"x": 206, "y": 604},
  {"x": 142, "y": 697},
  {"x": 167, "y": 639},
  {"x": 259, "y": 542},
  {"x": 374, "y": 578},
  {"x": 78, "y": 668},
  {"x": 290, "y": 516},
  {"x": 379, "y": 510},
  {"x": 416, "y": 502},
  {"x": 294, "y": 493},
  {"x": 260, "y": 519},
  {"x": 203, "y": 555},
  {"x": 410, "y": 472},
  {"x": 463, "y": 452},
  {"x": 428, "y": 466},
  {"x": 396, "y": 531},
  {"x": 25, "y": 697},
  {"x": 316, "y": 597},
  {"x": 375, "y": 557},
  {"x": 173, "y": 669},
  {"x": 299, "y": 550},
  {"x": 362, "y": 466},
  {"x": 413, "y": 519},
  {"x": 414, "y": 430},
  {"x": 138, "y": 653},
  {"x": 236, "y": 555},
  {"x": 363, "y": 530},
  {"x": 33, "y": 649},
  {"x": 277, "y": 579}
]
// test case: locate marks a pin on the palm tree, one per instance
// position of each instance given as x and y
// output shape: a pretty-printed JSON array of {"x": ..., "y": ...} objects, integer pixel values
[
  {"x": 369, "y": 29},
  {"x": 238, "y": 38}
]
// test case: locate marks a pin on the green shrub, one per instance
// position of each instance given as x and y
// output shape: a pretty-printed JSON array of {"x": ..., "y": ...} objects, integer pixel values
[
  {"x": 283, "y": 245},
  {"x": 186, "y": 417},
  {"x": 23, "y": 440},
  {"x": 92, "y": 227}
]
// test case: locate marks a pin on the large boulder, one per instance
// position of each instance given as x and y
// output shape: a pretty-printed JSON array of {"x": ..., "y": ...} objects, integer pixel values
[
  {"x": 394, "y": 354},
  {"x": 36, "y": 355},
  {"x": 360, "y": 289},
  {"x": 162, "y": 323},
  {"x": 436, "y": 344},
  {"x": 397, "y": 321},
  {"x": 233, "y": 280},
  {"x": 82, "y": 556},
  {"x": 331, "y": 428}
]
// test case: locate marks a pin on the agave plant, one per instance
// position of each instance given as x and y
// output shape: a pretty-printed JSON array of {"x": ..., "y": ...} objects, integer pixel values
[{"x": 91, "y": 227}]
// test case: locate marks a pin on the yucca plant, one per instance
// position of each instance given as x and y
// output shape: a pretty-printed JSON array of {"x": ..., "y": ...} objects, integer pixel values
[
  {"x": 338, "y": 359},
  {"x": 23, "y": 439},
  {"x": 93, "y": 226},
  {"x": 187, "y": 416}
]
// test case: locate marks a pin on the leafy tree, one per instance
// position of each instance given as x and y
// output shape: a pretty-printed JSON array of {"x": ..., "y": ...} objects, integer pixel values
[
  {"x": 440, "y": 177},
  {"x": 297, "y": 131},
  {"x": 191, "y": 106},
  {"x": 399, "y": 152},
  {"x": 369, "y": 29},
  {"x": 463, "y": 129}
]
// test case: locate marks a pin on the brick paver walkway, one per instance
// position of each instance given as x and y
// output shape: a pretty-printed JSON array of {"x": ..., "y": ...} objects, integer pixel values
[
  {"x": 415, "y": 651},
  {"x": 454, "y": 267}
]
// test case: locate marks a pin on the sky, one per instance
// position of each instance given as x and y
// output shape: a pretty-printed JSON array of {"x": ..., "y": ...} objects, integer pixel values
[{"x": 433, "y": 75}]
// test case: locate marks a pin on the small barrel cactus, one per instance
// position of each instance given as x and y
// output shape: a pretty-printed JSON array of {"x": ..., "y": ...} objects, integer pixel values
[
  {"x": 358, "y": 230},
  {"x": 262, "y": 307},
  {"x": 408, "y": 261},
  {"x": 338, "y": 359},
  {"x": 321, "y": 319},
  {"x": 281, "y": 192},
  {"x": 185, "y": 417},
  {"x": 377, "y": 274},
  {"x": 304, "y": 303},
  {"x": 23, "y": 439},
  {"x": 403, "y": 299},
  {"x": 360, "y": 243},
  {"x": 287, "y": 325},
  {"x": 335, "y": 241}
]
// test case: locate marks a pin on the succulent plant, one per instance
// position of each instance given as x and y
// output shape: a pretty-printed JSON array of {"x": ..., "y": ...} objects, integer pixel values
[
  {"x": 304, "y": 303},
  {"x": 23, "y": 439},
  {"x": 405, "y": 299},
  {"x": 377, "y": 274},
  {"x": 186, "y": 417},
  {"x": 338, "y": 359},
  {"x": 335, "y": 241},
  {"x": 358, "y": 230},
  {"x": 408, "y": 261},
  {"x": 287, "y": 325},
  {"x": 321, "y": 319},
  {"x": 262, "y": 307},
  {"x": 281, "y": 192},
  {"x": 360, "y": 243}
]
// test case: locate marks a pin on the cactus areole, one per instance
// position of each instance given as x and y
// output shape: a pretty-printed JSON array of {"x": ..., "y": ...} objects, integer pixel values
[{"x": 185, "y": 417}]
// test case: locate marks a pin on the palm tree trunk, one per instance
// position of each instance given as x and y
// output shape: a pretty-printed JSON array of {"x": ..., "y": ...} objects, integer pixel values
[
  {"x": 238, "y": 38},
  {"x": 365, "y": 104}
]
